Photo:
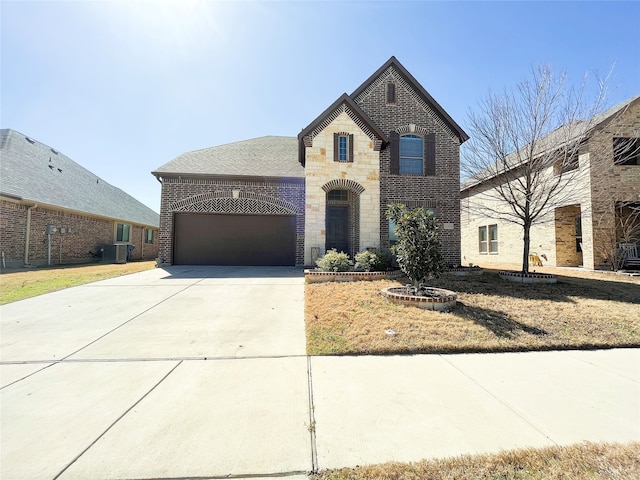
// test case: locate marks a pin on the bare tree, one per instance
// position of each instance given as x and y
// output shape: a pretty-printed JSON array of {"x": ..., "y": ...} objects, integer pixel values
[{"x": 522, "y": 159}]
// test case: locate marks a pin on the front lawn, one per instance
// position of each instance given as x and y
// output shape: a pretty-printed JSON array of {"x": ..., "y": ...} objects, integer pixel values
[
  {"x": 587, "y": 461},
  {"x": 582, "y": 311},
  {"x": 17, "y": 284}
]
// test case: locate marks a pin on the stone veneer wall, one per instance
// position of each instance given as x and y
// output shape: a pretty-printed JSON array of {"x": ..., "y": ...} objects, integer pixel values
[
  {"x": 83, "y": 234},
  {"x": 442, "y": 191},
  {"x": 220, "y": 195},
  {"x": 361, "y": 177}
]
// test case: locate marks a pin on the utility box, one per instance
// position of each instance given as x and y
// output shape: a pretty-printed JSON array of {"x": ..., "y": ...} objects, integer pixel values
[{"x": 115, "y": 253}]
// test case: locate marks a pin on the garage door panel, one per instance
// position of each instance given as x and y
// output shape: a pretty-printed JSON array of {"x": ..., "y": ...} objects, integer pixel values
[{"x": 211, "y": 239}]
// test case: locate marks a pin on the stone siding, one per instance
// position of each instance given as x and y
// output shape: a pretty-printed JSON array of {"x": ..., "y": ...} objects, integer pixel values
[{"x": 361, "y": 177}]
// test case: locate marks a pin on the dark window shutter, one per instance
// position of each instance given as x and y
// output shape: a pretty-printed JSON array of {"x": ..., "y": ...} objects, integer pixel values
[
  {"x": 430, "y": 154},
  {"x": 336, "y": 142},
  {"x": 394, "y": 166},
  {"x": 350, "y": 157}
]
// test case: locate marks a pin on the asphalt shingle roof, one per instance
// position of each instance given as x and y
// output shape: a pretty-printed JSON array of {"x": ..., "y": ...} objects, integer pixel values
[
  {"x": 35, "y": 172},
  {"x": 259, "y": 157}
]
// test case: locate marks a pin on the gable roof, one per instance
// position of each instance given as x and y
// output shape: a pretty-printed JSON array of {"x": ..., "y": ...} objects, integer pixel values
[
  {"x": 398, "y": 67},
  {"x": 258, "y": 157},
  {"x": 357, "y": 111},
  {"x": 34, "y": 172}
]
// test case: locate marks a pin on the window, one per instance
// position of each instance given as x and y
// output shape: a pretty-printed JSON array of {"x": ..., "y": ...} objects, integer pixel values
[
  {"x": 411, "y": 155},
  {"x": 392, "y": 233},
  {"x": 391, "y": 93},
  {"x": 342, "y": 147},
  {"x": 122, "y": 232},
  {"x": 626, "y": 151},
  {"x": 482, "y": 240},
  {"x": 148, "y": 238},
  {"x": 493, "y": 238},
  {"x": 338, "y": 196}
]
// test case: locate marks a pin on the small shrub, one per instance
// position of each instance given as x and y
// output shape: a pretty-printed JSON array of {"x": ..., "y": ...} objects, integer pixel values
[
  {"x": 417, "y": 249},
  {"x": 373, "y": 260},
  {"x": 334, "y": 261}
]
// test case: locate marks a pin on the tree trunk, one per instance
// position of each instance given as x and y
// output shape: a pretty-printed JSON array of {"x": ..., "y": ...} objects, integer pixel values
[{"x": 526, "y": 242}]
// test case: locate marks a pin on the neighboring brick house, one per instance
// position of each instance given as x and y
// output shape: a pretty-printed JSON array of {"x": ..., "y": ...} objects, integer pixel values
[
  {"x": 285, "y": 201},
  {"x": 41, "y": 187},
  {"x": 581, "y": 230}
]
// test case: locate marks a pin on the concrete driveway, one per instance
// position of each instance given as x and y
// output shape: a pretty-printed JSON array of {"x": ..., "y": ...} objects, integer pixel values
[
  {"x": 200, "y": 372},
  {"x": 177, "y": 372}
]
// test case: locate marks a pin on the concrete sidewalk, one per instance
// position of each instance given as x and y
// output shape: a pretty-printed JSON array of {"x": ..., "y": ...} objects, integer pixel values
[{"x": 201, "y": 372}]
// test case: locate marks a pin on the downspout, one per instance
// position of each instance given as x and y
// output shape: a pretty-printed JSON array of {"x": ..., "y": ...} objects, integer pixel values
[{"x": 28, "y": 236}]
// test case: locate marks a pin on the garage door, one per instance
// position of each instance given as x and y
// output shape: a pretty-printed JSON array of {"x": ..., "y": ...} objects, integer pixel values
[{"x": 209, "y": 239}]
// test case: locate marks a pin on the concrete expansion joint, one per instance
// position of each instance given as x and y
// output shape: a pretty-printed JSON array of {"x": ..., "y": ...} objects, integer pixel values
[
  {"x": 135, "y": 404},
  {"x": 312, "y": 420}
]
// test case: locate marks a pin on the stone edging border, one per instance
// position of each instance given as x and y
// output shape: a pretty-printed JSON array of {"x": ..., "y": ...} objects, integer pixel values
[
  {"x": 445, "y": 302},
  {"x": 520, "y": 277}
]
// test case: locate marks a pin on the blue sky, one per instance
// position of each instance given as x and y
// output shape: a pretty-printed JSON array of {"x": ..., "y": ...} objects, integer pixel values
[{"x": 122, "y": 87}]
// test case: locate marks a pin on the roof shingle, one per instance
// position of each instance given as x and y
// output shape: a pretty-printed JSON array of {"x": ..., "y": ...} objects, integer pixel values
[
  {"x": 30, "y": 170},
  {"x": 258, "y": 157}
]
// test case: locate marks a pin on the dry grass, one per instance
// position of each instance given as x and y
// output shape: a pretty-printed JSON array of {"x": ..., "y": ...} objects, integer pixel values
[
  {"x": 583, "y": 310},
  {"x": 18, "y": 284},
  {"x": 577, "y": 462}
]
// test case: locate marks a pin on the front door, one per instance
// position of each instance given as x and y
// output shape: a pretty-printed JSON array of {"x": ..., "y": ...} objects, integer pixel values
[{"x": 338, "y": 228}]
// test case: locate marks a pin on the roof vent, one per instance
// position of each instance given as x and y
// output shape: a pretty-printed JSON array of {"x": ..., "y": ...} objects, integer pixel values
[
  {"x": 55, "y": 151},
  {"x": 30, "y": 140}
]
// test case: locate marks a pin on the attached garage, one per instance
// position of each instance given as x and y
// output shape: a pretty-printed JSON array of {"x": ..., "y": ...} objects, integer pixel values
[{"x": 228, "y": 239}]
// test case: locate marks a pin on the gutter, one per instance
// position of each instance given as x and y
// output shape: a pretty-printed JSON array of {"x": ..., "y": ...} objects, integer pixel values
[{"x": 28, "y": 235}]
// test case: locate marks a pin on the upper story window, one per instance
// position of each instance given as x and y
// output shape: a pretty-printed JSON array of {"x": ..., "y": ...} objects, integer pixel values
[
  {"x": 626, "y": 151},
  {"x": 123, "y": 232},
  {"x": 411, "y": 155},
  {"x": 391, "y": 93},
  {"x": 342, "y": 147}
]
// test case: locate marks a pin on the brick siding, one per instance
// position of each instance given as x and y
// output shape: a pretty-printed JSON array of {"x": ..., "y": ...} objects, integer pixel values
[
  {"x": 184, "y": 194},
  {"x": 440, "y": 191},
  {"x": 83, "y": 234}
]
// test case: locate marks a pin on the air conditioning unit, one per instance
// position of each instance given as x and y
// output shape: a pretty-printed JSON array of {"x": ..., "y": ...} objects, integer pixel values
[{"x": 115, "y": 253}]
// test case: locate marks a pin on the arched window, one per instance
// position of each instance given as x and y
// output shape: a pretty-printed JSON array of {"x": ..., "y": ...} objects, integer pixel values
[{"x": 411, "y": 155}]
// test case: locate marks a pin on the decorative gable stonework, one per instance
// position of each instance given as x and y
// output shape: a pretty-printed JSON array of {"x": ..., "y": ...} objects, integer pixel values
[{"x": 363, "y": 175}]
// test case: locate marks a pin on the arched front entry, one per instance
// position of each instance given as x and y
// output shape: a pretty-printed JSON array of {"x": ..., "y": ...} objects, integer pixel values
[
  {"x": 342, "y": 216},
  {"x": 337, "y": 221}
]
